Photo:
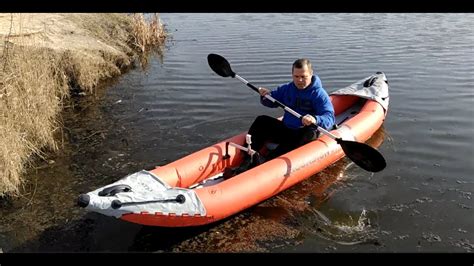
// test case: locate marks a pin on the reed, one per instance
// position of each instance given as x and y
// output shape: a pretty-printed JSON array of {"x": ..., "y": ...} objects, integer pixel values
[{"x": 39, "y": 69}]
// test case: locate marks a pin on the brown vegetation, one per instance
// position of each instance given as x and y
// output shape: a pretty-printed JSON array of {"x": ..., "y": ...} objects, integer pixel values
[{"x": 43, "y": 57}]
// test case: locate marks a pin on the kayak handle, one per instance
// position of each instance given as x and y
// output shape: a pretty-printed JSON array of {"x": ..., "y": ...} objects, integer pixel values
[{"x": 117, "y": 204}]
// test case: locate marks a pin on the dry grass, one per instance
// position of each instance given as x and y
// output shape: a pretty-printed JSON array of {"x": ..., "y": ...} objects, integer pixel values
[
  {"x": 31, "y": 97},
  {"x": 147, "y": 36},
  {"x": 36, "y": 77}
]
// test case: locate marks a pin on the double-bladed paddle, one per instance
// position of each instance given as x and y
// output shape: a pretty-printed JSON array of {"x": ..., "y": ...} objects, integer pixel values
[{"x": 361, "y": 154}]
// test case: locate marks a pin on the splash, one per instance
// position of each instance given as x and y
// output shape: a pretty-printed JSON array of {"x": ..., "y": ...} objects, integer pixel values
[{"x": 345, "y": 231}]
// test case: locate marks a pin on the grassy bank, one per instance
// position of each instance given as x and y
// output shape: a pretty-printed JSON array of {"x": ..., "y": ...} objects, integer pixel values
[{"x": 44, "y": 57}]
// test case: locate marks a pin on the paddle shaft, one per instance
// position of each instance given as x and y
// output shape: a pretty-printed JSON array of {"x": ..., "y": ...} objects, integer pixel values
[{"x": 288, "y": 109}]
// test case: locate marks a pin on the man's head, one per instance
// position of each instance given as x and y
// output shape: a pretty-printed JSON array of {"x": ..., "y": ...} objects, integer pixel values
[{"x": 302, "y": 72}]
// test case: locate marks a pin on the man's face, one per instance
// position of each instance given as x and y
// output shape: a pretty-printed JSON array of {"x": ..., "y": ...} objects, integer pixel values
[{"x": 302, "y": 77}]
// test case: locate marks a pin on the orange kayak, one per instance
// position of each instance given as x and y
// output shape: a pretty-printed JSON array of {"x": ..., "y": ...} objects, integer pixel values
[{"x": 191, "y": 191}]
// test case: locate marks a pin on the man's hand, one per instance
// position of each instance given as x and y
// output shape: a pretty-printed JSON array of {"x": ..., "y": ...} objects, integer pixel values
[
  {"x": 308, "y": 120},
  {"x": 263, "y": 91}
]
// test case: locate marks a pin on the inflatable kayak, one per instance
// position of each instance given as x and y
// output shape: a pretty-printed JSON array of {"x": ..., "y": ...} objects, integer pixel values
[{"x": 192, "y": 191}]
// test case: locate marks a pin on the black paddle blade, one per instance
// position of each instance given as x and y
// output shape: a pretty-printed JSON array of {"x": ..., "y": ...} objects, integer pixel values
[
  {"x": 363, "y": 155},
  {"x": 220, "y": 65}
]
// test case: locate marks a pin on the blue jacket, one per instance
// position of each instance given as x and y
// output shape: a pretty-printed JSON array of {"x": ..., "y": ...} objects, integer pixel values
[{"x": 312, "y": 100}]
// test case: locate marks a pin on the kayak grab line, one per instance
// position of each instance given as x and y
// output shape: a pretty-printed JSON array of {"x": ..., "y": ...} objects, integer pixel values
[{"x": 117, "y": 204}]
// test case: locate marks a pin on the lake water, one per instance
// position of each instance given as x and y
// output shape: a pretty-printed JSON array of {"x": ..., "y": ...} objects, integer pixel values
[{"x": 422, "y": 201}]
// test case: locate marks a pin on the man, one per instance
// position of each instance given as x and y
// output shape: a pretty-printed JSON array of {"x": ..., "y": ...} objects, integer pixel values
[{"x": 306, "y": 96}]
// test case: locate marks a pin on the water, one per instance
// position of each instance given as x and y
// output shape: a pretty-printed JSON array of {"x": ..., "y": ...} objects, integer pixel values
[{"x": 422, "y": 201}]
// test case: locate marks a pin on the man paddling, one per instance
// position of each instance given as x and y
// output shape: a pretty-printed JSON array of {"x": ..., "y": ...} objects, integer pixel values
[{"x": 306, "y": 96}]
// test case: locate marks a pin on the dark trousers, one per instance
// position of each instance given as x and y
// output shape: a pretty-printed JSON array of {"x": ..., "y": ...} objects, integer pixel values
[{"x": 266, "y": 128}]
